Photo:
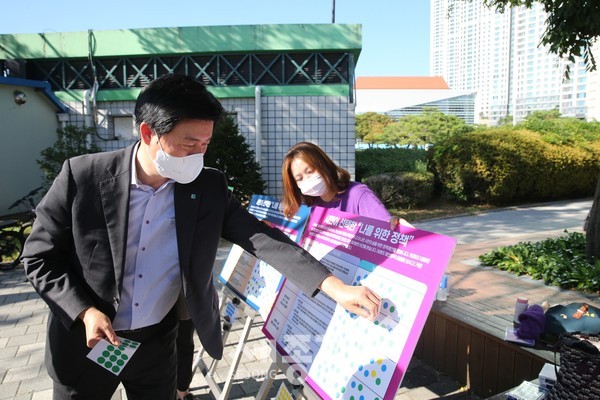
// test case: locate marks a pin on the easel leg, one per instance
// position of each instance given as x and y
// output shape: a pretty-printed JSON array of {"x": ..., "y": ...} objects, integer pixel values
[
  {"x": 236, "y": 358},
  {"x": 199, "y": 363},
  {"x": 268, "y": 382}
]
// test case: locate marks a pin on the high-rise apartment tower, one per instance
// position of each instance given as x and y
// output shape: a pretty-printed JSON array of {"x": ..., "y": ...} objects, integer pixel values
[{"x": 499, "y": 56}]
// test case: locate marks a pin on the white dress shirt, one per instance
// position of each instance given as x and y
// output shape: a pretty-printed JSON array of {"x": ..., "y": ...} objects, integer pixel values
[{"x": 152, "y": 279}]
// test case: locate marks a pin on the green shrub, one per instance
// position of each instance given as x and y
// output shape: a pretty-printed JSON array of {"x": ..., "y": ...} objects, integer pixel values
[
  {"x": 504, "y": 165},
  {"x": 71, "y": 141},
  {"x": 559, "y": 262},
  {"x": 371, "y": 162},
  {"x": 230, "y": 153},
  {"x": 402, "y": 190}
]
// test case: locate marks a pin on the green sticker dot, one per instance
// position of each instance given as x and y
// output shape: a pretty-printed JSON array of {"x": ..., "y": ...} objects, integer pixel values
[
  {"x": 124, "y": 356},
  {"x": 108, "y": 364},
  {"x": 392, "y": 309},
  {"x": 343, "y": 389},
  {"x": 110, "y": 347},
  {"x": 378, "y": 381},
  {"x": 113, "y": 358},
  {"x": 360, "y": 388},
  {"x": 105, "y": 353},
  {"x": 120, "y": 363},
  {"x": 118, "y": 352},
  {"x": 115, "y": 369},
  {"x": 100, "y": 360}
]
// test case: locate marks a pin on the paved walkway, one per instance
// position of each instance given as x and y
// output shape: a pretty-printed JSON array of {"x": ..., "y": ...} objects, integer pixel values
[{"x": 23, "y": 315}]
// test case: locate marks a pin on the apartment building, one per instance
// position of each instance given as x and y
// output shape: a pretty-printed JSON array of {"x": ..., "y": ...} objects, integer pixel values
[{"x": 499, "y": 56}]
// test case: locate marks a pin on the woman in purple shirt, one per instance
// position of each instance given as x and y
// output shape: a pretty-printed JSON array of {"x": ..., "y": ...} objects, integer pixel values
[{"x": 310, "y": 177}]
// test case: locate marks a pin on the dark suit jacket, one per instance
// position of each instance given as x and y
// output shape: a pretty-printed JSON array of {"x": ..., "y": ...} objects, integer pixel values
[{"x": 75, "y": 254}]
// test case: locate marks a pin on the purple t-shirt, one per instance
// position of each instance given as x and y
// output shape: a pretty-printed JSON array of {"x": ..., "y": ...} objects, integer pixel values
[{"x": 358, "y": 199}]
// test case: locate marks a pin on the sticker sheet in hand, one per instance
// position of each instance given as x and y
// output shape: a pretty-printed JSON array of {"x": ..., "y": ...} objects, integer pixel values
[
  {"x": 338, "y": 354},
  {"x": 253, "y": 280},
  {"x": 113, "y": 358}
]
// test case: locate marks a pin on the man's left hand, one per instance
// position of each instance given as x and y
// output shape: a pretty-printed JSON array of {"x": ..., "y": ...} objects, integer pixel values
[{"x": 359, "y": 300}]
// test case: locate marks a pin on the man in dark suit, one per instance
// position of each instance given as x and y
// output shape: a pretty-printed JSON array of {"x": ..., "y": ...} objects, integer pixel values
[{"x": 121, "y": 234}]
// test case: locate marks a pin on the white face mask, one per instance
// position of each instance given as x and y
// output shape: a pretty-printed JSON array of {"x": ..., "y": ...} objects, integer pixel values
[
  {"x": 313, "y": 186},
  {"x": 180, "y": 169}
]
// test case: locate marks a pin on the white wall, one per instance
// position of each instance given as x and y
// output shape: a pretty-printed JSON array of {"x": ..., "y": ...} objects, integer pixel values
[{"x": 25, "y": 130}]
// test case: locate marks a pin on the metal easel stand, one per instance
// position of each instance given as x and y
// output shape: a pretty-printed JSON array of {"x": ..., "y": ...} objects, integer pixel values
[{"x": 228, "y": 320}]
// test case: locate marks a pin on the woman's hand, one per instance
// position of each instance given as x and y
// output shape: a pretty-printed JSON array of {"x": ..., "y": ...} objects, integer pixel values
[{"x": 394, "y": 221}]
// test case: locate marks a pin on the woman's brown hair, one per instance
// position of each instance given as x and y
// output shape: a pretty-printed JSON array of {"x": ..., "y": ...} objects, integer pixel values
[{"x": 336, "y": 178}]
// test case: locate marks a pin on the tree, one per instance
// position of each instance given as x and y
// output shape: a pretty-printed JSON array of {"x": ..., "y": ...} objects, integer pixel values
[
  {"x": 71, "y": 141},
  {"x": 229, "y": 152},
  {"x": 543, "y": 115},
  {"x": 561, "y": 130},
  {"x": 423, "y": 129},
  {"x": 572, "y": 26},
  {"x": 370, "y": 125},
  {"x": 506, "y": 120}
]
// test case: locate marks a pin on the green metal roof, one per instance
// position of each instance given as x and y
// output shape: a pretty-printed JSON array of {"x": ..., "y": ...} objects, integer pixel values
[
  {"x": 182, "y": 40},
  {"x": 219, "y": 92}
]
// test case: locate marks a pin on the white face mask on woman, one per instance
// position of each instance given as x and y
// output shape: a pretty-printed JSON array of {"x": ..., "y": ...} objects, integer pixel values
[
  {"x": 313, "y": 186},
  {"x": 180, "y": 169}
]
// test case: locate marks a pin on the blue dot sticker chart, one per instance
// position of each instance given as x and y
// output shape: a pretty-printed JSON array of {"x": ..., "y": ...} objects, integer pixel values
[
  {"x": 113, "y": 358},
  {"x": 339, "y": 354},
  {"x": 254, "y": 281},
  {"x": 372, "y": 349}
]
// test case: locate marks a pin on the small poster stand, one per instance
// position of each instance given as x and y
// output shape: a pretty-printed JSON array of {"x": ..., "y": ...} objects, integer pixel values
[{"x": 250, "y": 286}]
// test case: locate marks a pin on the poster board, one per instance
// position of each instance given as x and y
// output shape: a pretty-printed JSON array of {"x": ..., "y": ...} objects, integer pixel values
[
  {"x": 338, "y": 354},
  {"x": 254, "y": 281}
]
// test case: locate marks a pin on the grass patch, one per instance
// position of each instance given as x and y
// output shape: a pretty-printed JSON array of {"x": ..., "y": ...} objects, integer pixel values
[{"x": 438, "y": 209}]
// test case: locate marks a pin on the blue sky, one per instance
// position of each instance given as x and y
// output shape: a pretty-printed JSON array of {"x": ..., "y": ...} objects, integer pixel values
[{"x": 395, "y": 32}]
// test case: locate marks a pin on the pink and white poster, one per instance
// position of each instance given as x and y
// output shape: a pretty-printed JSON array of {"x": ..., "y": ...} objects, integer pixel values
[{"x": 340, "y": 355}]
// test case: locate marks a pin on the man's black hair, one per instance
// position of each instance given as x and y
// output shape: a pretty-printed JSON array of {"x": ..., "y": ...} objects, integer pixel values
[{"x": 171, "y": 99}]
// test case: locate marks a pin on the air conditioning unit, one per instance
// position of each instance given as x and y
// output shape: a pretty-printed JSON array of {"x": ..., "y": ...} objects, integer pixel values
[{"x": 125, "y": 128}]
